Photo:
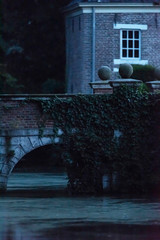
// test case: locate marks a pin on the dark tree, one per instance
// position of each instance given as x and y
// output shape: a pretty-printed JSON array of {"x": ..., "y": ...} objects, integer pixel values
[{"x": 34, "y": 49}]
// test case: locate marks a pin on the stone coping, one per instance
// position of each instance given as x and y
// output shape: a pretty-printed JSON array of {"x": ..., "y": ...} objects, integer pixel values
[
  {"x": 129, "y": 81},
  {"x": 36, "y": 96},
  {"x": 100, "y": 84},
  {"x": 153, "y": 85},
  {"x": 157, "y": 82},
  {"x": 126, "y": 80},
  {"x": 25, "y": 132}
]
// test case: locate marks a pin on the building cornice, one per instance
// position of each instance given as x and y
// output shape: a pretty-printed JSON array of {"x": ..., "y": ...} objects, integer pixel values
[
  {"x": 113, "y": 8},
  {"x": 97, "y": 4}
]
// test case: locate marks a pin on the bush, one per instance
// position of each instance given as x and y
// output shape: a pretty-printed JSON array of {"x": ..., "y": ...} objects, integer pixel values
[{"x": 143, "y": 72}]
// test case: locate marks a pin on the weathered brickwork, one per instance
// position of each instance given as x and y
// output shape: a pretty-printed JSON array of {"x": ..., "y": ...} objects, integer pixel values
[
  {"x": 18, "y": 114},
  {"x": 107, "y": 44},
  {"x": 106, "y": 41}
]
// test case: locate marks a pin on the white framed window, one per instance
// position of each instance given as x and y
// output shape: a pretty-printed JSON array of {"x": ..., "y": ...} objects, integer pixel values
[{"x": 130, "y": 42}]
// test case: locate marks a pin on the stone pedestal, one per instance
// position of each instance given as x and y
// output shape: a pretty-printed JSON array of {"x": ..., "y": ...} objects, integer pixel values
[
  {"x": 153, "y": 86},
  {"x": 3, "y": 183},
  {"x": 128, "y": 82},
  {"x": 101, "y": 87}
]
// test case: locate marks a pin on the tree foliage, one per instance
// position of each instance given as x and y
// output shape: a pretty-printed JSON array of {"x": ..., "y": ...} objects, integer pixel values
[
  {"x": 34, "y": 41},
  {"x": 9, "y": 84},
  {"x": 143, "y": 72}
]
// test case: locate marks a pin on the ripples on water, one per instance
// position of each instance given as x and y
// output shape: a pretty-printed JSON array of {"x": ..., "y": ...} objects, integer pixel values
[{"x": 73, "y": 218}]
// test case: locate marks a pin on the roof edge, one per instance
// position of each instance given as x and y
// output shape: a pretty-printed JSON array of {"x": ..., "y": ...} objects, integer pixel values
[
  {"x": 75, "y": 6},
  {"x": 114, "y": 4}
]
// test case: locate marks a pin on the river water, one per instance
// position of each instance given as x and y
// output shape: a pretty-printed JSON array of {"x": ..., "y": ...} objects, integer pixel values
[{"x": 33, "y": 210}]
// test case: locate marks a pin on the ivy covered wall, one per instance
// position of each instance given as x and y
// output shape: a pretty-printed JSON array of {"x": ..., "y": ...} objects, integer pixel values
[{"x": 116, "y": 134}]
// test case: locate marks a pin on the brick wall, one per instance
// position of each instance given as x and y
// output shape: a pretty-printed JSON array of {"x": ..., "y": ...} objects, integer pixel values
[
  {"x": 79, "y": 45},
  {"x": 106, "y": 41},
  {"x": 108, "y": 38},
  {"x": 15, "y": 115},
  {"x": 78, "y": 53}
]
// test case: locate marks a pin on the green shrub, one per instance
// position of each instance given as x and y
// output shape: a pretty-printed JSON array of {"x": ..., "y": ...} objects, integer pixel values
[{"x": 143, "y": 72}]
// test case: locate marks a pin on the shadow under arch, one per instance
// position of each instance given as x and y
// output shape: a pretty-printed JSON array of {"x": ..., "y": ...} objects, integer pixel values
[
  {"x": 27, "y": 145},
  {"x": 39, "y": 171},
  {"x": 45, "y": 158}
]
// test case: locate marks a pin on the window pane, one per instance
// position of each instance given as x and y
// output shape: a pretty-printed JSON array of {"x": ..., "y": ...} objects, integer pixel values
[
  {"x": 136, "y": 34},
  {"x": 130, "y": 34},
  {"x": 130, "y": 44},
  {"x": 130, "y": 53},
  {"x": 136, "y": 44},
  {"x": 124, "y": 53},
  {"x": 124, "y": 43},
  {"x": 136, "y": 53},
  {"x": 124, "y": 34}
]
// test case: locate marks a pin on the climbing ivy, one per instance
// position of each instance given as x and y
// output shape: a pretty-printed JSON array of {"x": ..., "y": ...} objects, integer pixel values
[{"x": 108, "y": 134}]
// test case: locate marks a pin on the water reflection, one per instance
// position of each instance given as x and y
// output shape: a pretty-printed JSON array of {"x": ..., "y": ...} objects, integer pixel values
[
  {"x": 86, "y": 232},
  {"x": 32, "y": 217},
  {"x": 34, "y": 181},
  {"x": 16, "y": 233}
]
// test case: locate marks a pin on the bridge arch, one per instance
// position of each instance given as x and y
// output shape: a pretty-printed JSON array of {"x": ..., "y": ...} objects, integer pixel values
[{"x": 21, "y": 144}]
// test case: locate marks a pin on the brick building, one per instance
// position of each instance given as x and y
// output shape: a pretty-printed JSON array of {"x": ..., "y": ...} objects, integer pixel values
[{"x": 109, "y": 32}]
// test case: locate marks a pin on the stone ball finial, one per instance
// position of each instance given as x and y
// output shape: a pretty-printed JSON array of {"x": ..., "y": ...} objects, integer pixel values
[
  {"x": 125, "y": 70},
  {"x": 157, "y": 73},
  {"x": 104, "y": 73}
]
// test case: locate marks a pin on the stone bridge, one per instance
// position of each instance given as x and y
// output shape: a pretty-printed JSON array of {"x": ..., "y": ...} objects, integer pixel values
[{"x": 19, "y": 131}]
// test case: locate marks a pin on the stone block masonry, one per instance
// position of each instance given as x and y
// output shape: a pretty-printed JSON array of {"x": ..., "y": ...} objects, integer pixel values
[{"x": 19, "y": 131}]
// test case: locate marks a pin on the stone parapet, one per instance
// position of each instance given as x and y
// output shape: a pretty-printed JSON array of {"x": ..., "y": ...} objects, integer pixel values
[
  {"x": 128, "y": 82},
  {"x": 101, "y": 87},
  {"x": 153, "y": 86}
]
